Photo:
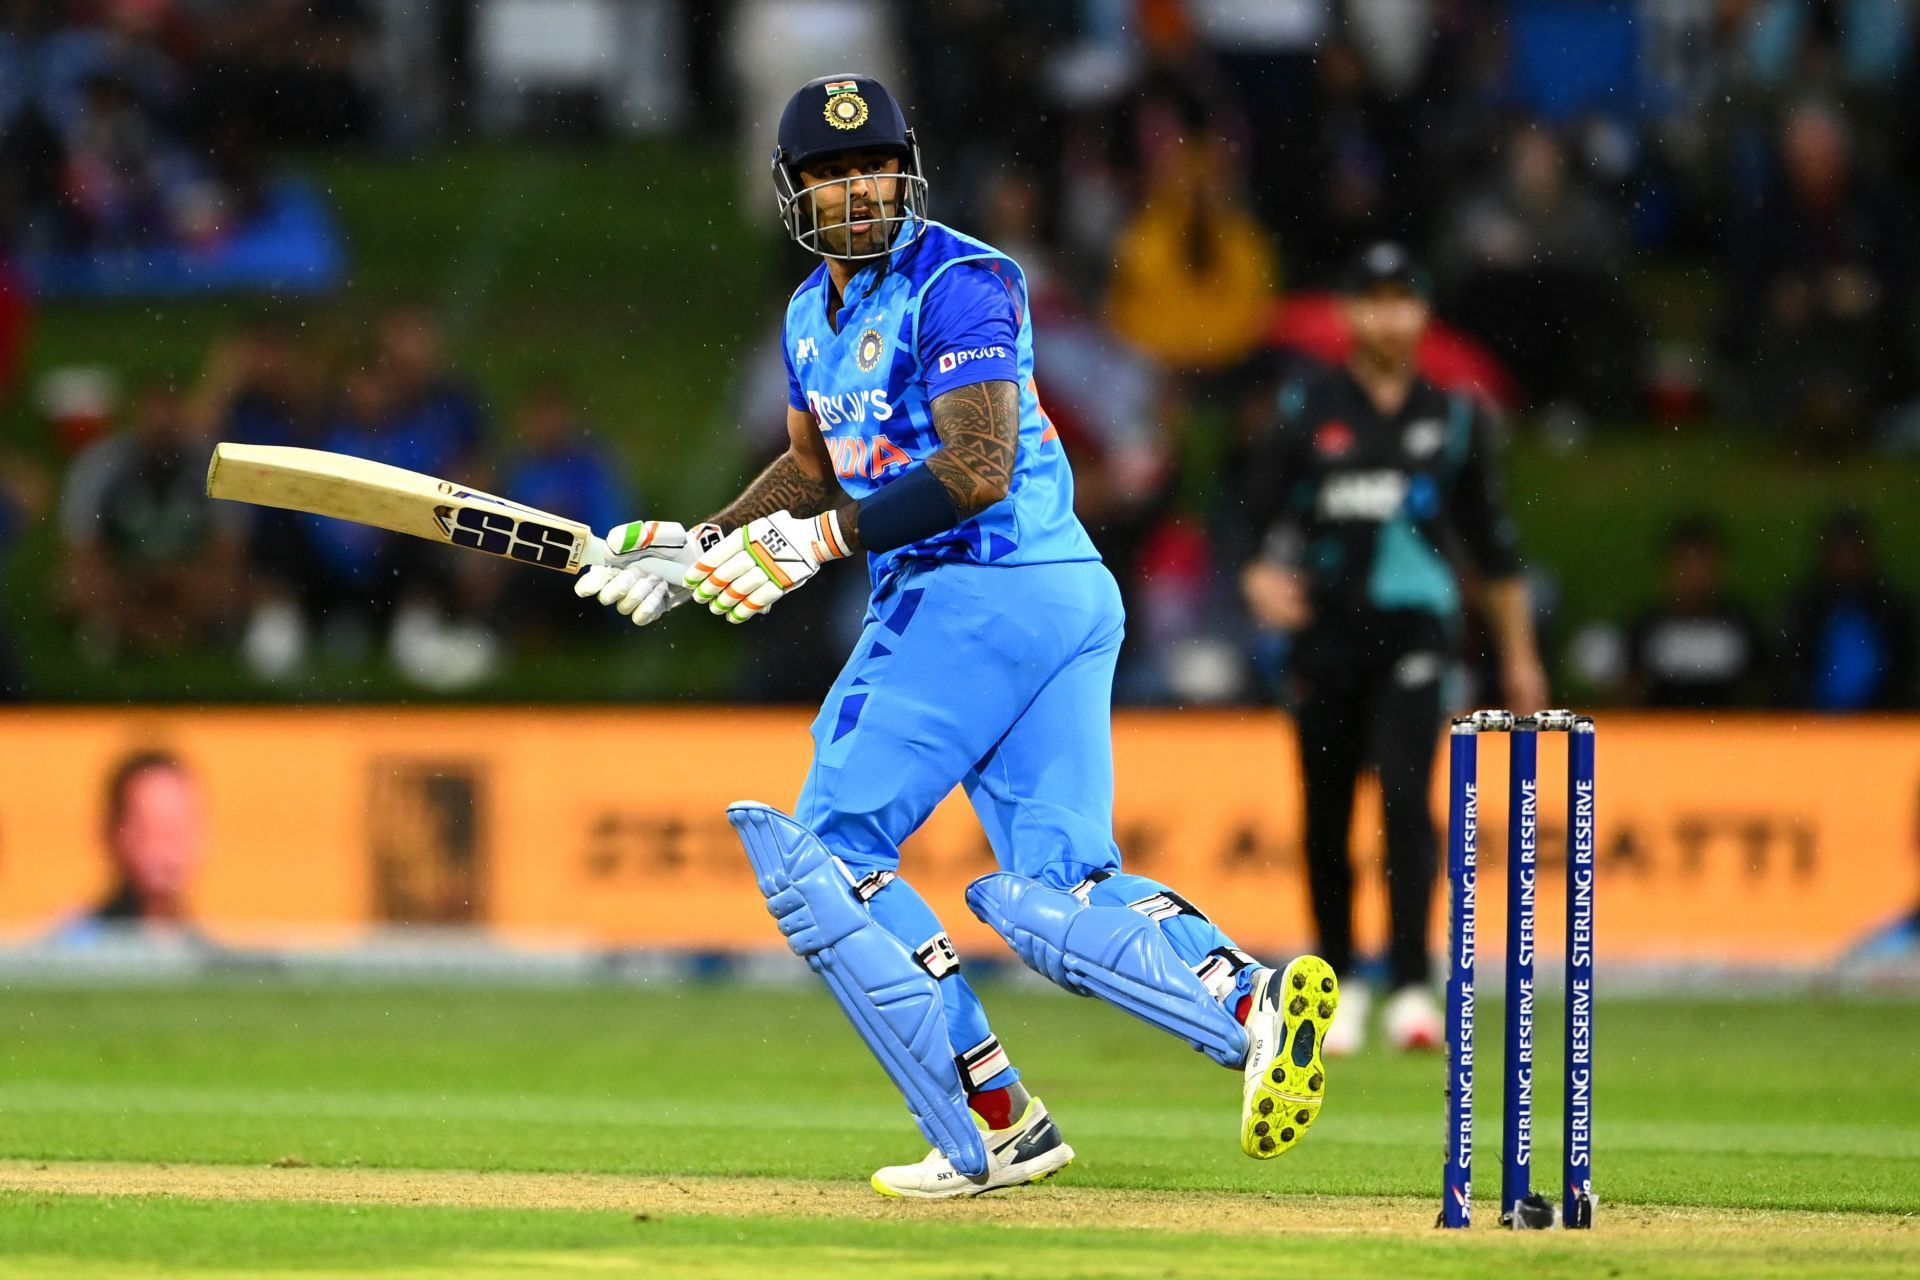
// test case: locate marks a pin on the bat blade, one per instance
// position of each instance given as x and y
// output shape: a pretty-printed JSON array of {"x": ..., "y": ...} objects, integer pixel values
[{"x": 387, "y": 497}]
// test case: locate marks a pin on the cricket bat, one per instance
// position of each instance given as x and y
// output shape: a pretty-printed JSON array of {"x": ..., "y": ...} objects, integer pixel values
[{"x": 373, "y": 493}]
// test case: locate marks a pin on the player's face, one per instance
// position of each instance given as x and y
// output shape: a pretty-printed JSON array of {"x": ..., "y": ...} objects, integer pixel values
[
  {"x": 1387, "y": 325},
  {"x": 158, "y": 838},
  {"x": 851, "y": 197}
]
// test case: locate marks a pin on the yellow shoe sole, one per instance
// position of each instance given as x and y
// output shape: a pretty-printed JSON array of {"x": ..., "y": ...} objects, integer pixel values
[{"x": 1286, "y": 1098}]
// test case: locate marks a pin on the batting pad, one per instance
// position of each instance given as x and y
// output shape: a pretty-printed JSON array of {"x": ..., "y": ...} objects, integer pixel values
[
  {"x": 1115, "y": 953},
  {"x": 891, "y": 1000}
]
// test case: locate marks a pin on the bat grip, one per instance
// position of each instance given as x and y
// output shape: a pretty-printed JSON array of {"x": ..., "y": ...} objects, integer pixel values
[{"x": 599, "y": 553}]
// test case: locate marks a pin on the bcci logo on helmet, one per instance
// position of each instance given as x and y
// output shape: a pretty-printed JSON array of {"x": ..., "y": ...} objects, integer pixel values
[{"x": 845, "y": 108}]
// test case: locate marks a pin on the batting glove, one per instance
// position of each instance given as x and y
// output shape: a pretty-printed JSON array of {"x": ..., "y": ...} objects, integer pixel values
[
  {"x": 761, "y": 561},
  {"x": 642, "y": 550}
]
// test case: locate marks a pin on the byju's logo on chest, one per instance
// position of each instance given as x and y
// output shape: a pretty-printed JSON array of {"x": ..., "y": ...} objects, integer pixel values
[{"x": 833, "y": 409}]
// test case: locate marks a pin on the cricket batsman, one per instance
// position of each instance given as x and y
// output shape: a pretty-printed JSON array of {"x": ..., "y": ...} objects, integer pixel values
[{"x": 986, "y": 660}]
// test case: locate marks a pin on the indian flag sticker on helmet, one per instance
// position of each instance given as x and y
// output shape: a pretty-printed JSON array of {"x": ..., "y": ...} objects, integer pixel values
[{"x": 842, "y": 86}]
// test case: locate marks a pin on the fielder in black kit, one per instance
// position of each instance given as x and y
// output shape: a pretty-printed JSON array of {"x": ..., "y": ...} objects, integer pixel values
[{"x": 1370, "y": 488}]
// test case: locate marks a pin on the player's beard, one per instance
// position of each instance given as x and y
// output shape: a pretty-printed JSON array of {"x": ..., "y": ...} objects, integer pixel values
[
  {"x": 842, "y": 240},
  {"x": 1387, "y": 357}
]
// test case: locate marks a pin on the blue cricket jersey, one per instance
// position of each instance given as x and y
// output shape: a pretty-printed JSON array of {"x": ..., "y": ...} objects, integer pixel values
[{"x": 944, "y": 312}]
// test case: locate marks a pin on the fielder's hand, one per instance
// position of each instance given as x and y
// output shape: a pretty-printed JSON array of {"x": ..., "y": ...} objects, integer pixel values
[
  {"x": 1276, "y": 596},
  {"x": 640, "y": 593},
  {"x": 758, "y": 563}
]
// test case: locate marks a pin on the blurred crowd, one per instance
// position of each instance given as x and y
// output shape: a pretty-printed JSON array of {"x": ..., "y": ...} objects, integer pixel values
[
  {"x": 1182, "y": 180},
  {"x": 151, "y": 565},
  {"x": 129, "y": 123},
  {"x": 1539, "y": 153},
  {"x": 1843, "y": 640}
]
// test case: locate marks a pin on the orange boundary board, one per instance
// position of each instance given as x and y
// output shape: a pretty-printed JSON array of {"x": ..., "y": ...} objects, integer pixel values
[{"x": 1747, "y": 839}]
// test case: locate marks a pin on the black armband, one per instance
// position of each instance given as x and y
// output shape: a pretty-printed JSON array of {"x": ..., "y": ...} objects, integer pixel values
[{"x": 913, "y": 507}]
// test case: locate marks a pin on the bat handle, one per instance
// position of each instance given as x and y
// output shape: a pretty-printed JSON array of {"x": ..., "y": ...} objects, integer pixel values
[{"x": 599, "y": 553}]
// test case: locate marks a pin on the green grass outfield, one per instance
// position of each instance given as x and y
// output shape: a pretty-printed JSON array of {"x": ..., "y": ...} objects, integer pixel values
[{"x": 723, "y": 1132}]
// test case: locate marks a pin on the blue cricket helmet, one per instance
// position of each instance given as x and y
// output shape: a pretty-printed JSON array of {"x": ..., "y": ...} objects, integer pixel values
[{"x": 845, "y": 113}]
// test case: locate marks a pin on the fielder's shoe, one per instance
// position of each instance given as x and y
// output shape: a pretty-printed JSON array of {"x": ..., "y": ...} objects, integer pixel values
[
  {"x": 1412, "y": 1019},
  {"x": 1348, "y": 1034},
  {"x": 1028, "y": 1150},
  {"x": 1285, "y": 1078}
]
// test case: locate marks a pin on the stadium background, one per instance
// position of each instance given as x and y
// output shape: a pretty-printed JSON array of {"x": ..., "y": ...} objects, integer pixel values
[
  {"x": 467, "y": 977},
  {"x": 1670, "y": 242}
]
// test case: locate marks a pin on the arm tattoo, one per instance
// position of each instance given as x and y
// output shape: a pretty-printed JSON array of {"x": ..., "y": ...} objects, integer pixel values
[
  {"x": 979, "y": 429},
  {"x": 784, "y": 486}
]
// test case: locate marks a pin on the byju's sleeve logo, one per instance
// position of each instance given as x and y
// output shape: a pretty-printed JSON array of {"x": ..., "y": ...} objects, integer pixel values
[{"x": 954, "y": 359}]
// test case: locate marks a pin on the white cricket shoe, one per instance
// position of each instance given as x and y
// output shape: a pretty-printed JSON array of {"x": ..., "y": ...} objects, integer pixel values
[
  {"x": 1029, "y": 1150},
  {"x": 1285, "y": 1078},
  {"x": 1348, "y": 1034},
  {"x": 1412, "y": 1019}
]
